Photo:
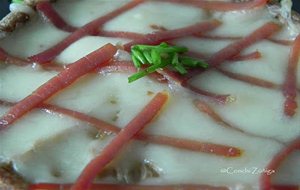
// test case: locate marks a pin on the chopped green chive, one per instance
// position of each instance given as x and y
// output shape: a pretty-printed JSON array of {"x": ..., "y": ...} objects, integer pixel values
[
  {"x": 159, "y": 57},
  {"x": 191, "y": 62},
  {"x": 17, "y": 1},
  {"x": 139, "y": 55},
  {"x": 136, "y": 62},
  {"x": 148, "y": 57}
]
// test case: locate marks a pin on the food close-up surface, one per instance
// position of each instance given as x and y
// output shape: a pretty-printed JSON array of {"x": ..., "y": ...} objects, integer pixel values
[{"x": 150, "y": 94}]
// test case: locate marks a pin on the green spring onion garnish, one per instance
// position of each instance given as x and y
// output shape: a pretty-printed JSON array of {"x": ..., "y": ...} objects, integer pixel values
[
  {"x": 17, "y": 1},
  {"x": 152, "y": 58}
]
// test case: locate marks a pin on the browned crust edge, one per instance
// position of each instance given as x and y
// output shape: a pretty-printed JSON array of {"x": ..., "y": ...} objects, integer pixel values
[
  {"x": 11, "y": 21},
  {"x": 10, "y": 180}
]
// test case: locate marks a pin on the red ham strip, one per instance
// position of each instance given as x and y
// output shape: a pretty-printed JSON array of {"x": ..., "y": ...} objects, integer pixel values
[
  {"x": 65, "y": 78},
  {"x": 123, "y": 138},
  {"x": 191, "y": 145},
  {"x": 265, "y": 179},
  {"x": 47, "y": 186},
  {"x": 47, "y": 10},
  {"x": 289, "y": 88},
  {"x": 207, "y": 109},
  {"x": 91, "y": 28},
  {"x": 216, "y": 37},
  {"x": 183, "y": 81},
  {"x": 281, "y": 42},
  {"x": 5, "y": 57},
  {"x": 218, "y": 97},
  {"x": 128, "y": 67},
  {"x": 158, "y": 37},
  {"x": 249, "y": 79},
  {"x": 121, "y": 34},
  {"x": 222, "y": 6},
  {"x": 235, "y": 48},
  {"x": 250, "y": 56},
  {"x": 10, "y": 59}
]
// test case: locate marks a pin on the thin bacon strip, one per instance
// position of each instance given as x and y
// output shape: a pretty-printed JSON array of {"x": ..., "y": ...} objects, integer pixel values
[
  {"x": 116, "y": 145},
  {"x": 128, "y": 66},
  {"x": 289, "y": 88},
  {"x": 222, "y": 6},
  {"x": 46, "y": 8},
  {"x": 265, "y": 179},
  {"x": 191, "y": 145},
  {"x": 156, "y": 38},
  {"x": 10, "y": 59},
  {"x": 91, "y": 28},
  {"x": 250, "y": 56},
  {"x": 47, "y": 186},
  {"x": 217, "y": 37},
  {"x": 121, "y": 34},
  {"x": 235, "y": 48},
  {"x": 249, "y": 79},
  {"x": 65, "y": 78},
  {"x": 183, "y": 81},
  {"x": 218, "y": 97},
  {"x": 281, "y": 42},
  {"x": 205, "y": 108},
  {"x": 3, "y": 54},
  {"x": 5, "y": 57}
]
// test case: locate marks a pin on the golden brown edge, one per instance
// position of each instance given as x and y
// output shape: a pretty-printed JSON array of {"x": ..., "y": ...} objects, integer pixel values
[{"x": 11, "y": 21}]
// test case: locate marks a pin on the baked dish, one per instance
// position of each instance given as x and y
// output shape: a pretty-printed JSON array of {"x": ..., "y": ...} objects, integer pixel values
[{"x": 150, "y": 94}]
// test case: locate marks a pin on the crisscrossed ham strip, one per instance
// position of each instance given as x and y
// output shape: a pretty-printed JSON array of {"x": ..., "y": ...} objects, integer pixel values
[
  {"x": 250, "y": 56},
  {"x": 50, "y": 13},
  {"x": 222, "y": 6},
  {"x": 217, "y": 37},
  {"x": 158, "y": 37},
  {"x": 265, "y": 179},
  {"x": 5, "y": 57},
  {"x": 235, "y": 48},
  {"x": 98, "y": 58},
  {"x": 46, "y": 8},
  {"x": 47, "y": 186},
  {"x": 121, "y": 34},
  {"x": 207, "y": 109},
  {"x": 172, "y": 76},
  {"x": 89, "y": 28},
  {"x": 249, "y": 79},
  {"x": 210, "y": 148},
  {"x": 289, "y": 88},
  {"x": 123, "y": 137}
]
